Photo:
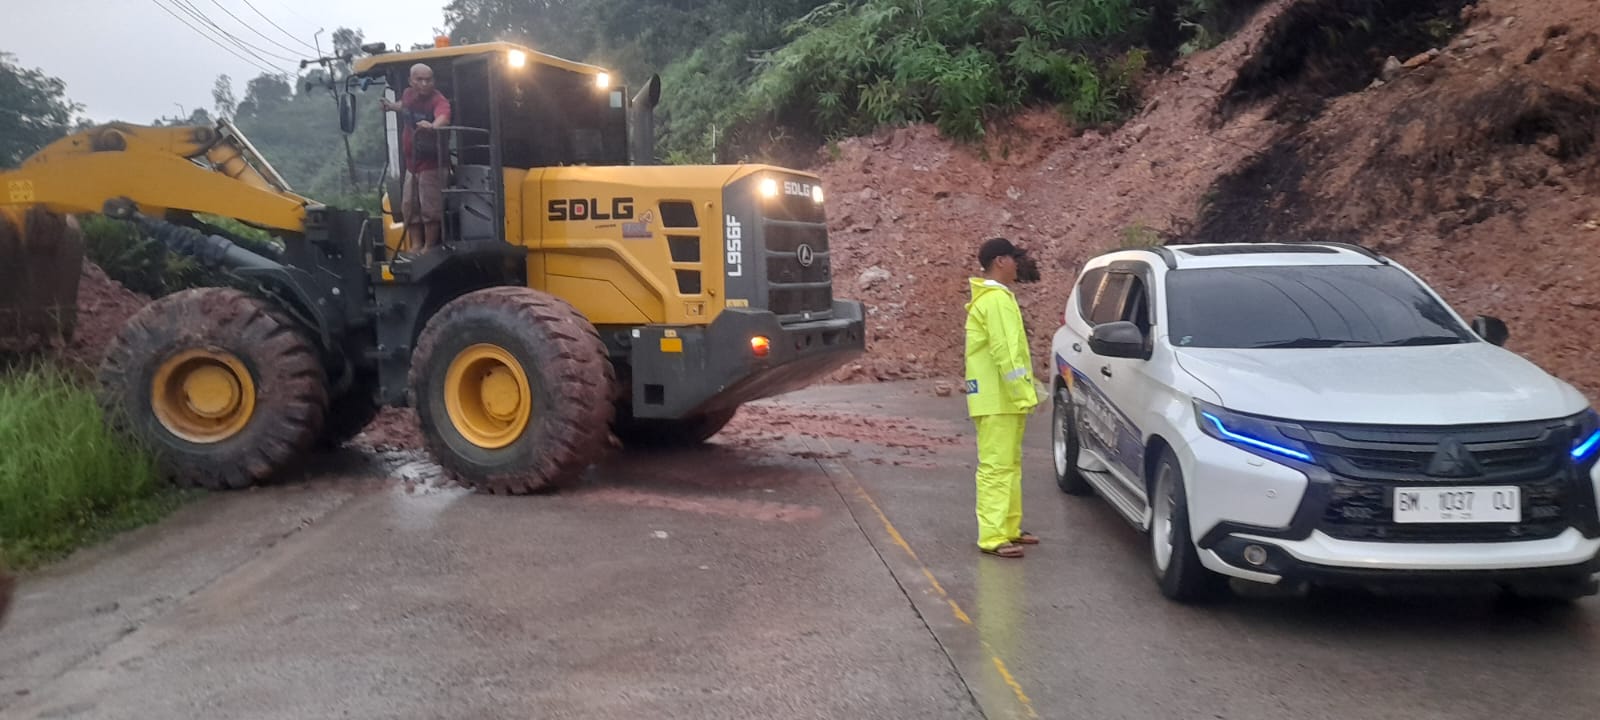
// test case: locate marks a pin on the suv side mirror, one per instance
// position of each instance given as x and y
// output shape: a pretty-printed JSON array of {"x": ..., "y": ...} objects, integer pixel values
[
  {"x": 1492, "y": 329},
  {"x": 1120, "y": 339}
]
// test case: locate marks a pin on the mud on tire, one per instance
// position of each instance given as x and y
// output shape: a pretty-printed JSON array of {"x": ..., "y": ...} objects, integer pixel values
[
  {"x": 289, "y": 398},
  {"x": 570, "y": 383}
]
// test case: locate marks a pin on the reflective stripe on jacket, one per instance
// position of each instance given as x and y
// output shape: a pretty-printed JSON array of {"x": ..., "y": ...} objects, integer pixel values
[{"x": 999, "y": 367}]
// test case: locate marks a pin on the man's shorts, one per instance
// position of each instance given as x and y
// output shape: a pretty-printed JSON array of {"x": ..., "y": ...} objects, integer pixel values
[{"x": 431, "y": 184}]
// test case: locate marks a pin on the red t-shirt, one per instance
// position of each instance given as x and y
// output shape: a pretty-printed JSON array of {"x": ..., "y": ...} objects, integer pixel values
[{"x": 415, "y": 109}]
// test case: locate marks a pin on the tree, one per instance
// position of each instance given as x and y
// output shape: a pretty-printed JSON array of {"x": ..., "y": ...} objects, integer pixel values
[
  {"x": 264, "y": 95},
  {"x": 222, "y": 96},
  {"x": 34, "y": 111}
]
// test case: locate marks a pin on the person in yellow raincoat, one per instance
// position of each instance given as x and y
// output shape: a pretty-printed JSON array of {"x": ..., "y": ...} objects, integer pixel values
[{"x": 1000, "y": 393}]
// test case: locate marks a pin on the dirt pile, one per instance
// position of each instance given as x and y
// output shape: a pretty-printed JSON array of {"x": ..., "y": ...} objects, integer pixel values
[
  {"x": 1476, "y": 164},
  {"x": 104, "y": 306},
  {"x": 1459, "y": 139},
  {"x": 908, "y": 209}
]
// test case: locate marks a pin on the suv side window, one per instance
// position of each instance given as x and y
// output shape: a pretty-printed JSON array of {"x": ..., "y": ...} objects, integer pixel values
[
  {"x": 1108, "y": 301},
  {"x": 1088, "y": 288}
]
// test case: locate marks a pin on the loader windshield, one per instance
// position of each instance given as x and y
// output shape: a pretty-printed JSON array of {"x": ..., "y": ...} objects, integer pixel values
[{"x": 552, "y": 117}]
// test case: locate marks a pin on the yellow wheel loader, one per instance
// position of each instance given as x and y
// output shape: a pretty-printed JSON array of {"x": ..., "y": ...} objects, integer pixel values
[{"x": 581, "y": 293}]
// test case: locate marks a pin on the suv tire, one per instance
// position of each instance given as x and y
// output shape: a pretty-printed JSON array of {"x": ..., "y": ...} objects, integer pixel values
[
  {"x": 1064, "y": 445},
  {"x": 1173, "y": 556}
]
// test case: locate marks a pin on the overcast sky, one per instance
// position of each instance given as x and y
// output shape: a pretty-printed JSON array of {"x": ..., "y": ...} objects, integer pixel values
[{"x": 130, "y": 60}]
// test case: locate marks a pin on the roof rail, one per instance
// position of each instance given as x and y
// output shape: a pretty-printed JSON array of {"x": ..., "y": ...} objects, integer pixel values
[
  {"x": 1352, "y": 247},
  {"x": 1166, "y": 255}
]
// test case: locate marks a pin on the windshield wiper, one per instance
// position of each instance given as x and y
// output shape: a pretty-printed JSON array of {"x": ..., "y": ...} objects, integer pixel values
[
  {"x": 1305, "y": 342},
  {"x": 1420, "y": 340}
]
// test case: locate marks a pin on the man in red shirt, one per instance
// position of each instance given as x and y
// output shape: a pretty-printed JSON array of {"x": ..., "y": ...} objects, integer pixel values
[{"x": 421, "y": 109}]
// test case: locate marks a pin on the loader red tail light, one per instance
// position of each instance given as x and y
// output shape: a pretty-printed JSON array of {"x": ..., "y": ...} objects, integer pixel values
[{"x": 760, "y": 345}]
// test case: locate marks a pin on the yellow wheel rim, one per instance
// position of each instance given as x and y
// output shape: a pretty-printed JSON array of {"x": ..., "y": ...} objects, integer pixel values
[
  {"x": 487, "y": 396},
  {"x": 203, "y": 396}
]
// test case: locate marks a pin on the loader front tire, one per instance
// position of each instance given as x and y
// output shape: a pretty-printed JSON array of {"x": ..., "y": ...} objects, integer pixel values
[
  {"x": 218, "y": 385},
  {"x": 513, "y": 389}
]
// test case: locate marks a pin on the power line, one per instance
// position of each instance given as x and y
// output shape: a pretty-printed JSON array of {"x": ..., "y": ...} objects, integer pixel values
[
  {"x": 188, "y": 7},
  {"x": 291, "y": 35},
  {"x": 213, "y": 40},
  {"x": 251, "y": 28}
]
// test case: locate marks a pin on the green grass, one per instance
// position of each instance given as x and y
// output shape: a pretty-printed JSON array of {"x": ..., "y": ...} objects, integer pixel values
[{"x": 66, "y": 481}]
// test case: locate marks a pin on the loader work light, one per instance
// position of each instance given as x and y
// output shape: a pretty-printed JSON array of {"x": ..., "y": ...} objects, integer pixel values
[
  {"x": 602, "y": 81},
  {"x": 516, "y": 58},
  {"x": 816, "y": 194},
  {"x": 769, "y": 188}
]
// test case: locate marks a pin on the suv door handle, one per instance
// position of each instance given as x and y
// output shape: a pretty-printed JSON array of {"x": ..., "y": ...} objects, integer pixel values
[{"x": 1106, "y": 371}]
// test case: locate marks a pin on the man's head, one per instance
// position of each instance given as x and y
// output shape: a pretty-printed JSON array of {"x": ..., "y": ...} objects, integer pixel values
[
  {"x": 1006, "y": 263},
  {"x": 422, "y": 79}
]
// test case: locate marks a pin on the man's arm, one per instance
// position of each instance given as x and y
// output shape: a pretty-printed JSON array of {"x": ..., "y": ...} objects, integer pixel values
[
  {"x": 1003, "y": 325},
  {"x": 441, "y": 109}
]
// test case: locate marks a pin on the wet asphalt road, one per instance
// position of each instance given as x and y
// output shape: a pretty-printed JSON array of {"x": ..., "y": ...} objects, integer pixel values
[{"x": 799, "y": 575}]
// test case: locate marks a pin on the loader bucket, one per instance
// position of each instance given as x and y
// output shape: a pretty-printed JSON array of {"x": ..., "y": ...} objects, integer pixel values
[{"x": 41, "y": 260}]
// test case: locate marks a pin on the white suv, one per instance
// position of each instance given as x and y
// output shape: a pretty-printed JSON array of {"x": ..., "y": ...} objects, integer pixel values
[{"x": 1314, "y": 413}]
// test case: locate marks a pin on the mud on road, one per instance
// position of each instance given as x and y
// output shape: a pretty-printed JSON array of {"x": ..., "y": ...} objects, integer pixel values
[{"x": 815, "y": 561}]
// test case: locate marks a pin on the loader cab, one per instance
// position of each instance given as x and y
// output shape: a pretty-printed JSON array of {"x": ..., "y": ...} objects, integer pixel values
[{"x": 513, "y": 111}]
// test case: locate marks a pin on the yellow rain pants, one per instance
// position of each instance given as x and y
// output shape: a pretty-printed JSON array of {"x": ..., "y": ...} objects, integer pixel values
[{"x": 999, "y": 478}]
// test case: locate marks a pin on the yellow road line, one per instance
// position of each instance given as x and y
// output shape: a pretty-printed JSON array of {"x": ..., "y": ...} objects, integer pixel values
[{"x": 955, "y": 608}]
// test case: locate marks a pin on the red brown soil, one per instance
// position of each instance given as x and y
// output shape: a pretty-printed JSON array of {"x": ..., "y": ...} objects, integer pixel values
[
  {"x": 103, "y": 307},
  {"x": 1477, "y": 168},
  {"x": 392, "y": 429},
  {"x": 762, "y": 424},
  {"x": 917, "y": 206}
]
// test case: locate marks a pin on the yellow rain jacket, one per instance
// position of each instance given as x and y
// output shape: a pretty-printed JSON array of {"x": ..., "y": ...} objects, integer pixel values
[{"x": 999, "y": 367}]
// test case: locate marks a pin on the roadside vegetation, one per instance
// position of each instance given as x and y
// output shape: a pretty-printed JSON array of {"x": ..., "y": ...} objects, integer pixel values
[{"x": 66, "y": 481}]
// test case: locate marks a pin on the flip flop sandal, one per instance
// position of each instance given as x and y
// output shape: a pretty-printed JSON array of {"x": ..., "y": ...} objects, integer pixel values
[
  {"x": 1008, "y": 550},
  {"x": 1027, "y": 538}
]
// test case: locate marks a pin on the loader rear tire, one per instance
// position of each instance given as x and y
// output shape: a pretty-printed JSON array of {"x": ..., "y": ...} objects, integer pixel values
[
  {"x": 513, "y": 389},
  {"x": 219, "y": 386}
]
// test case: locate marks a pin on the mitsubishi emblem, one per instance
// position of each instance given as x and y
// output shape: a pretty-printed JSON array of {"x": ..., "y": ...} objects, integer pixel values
[
  {"x": 805, "y": 255},
  {"x": 1453, "y": 460}
]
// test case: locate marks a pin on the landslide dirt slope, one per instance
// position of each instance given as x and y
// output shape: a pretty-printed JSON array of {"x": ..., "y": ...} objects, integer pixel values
[
  {"x": 1479, "y": 169},
  {"x": 1475, "y": 164}
]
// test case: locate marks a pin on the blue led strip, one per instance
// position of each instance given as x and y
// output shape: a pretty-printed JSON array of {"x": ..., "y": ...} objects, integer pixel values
[
  {"x": 1236, "y": 437},
  {"x": 1583, "y": 449}
]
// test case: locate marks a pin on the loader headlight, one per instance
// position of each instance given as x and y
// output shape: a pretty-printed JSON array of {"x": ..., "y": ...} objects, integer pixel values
[
  {"x": 816, "y": 194},
  {"x": 516, "y": 58},
  {"x": 769, "y": 188},
  {"x": 1273, "y": 439}
]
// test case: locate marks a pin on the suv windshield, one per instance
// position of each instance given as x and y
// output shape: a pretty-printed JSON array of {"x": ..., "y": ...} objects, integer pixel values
[{"x": 1305, "y": 307}]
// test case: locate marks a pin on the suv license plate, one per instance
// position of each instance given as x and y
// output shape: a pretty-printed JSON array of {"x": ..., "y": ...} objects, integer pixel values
[{"x": 1458, "y": 505}]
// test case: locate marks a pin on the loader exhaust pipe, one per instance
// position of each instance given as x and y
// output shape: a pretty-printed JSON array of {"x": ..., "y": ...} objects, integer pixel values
[
  {"x": 642, "y": 122},
  {"x": 41, "y": 261}
]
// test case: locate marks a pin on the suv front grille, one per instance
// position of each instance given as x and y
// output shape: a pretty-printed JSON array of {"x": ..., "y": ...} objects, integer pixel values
[{"x": 1368, "y": 463}]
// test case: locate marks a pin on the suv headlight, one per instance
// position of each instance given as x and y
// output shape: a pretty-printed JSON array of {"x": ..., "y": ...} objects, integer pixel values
[
  {"x": 1586, "y": 441},
  {"x": 1272, "y": 439}
]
